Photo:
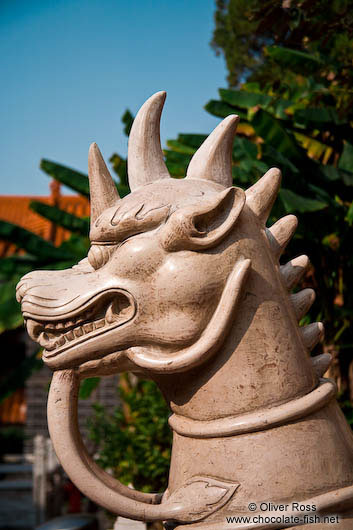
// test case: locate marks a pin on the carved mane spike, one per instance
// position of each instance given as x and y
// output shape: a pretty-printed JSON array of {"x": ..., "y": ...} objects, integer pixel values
[
  {"x": 321, "y": 363},
  {"x": 145, "y": 156},
  {"x": 281, "y": 233},
  {"x": 261, "y": 196},
  {"x": 213, "y": 160},
  {"x": 312, "y": 334},
  {"x": 293, "y": 271},
  {"x": 302, "y": 301},
  {"x": 103, "y": 191}
]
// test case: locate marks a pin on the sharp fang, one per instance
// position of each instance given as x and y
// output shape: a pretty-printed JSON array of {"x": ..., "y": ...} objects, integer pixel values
[
  {"x": 61, "y": 341},
  {"x": 110, "y": 315},
  {"x": 33, "y": 328},
  {"x": 44, "y": 342}
]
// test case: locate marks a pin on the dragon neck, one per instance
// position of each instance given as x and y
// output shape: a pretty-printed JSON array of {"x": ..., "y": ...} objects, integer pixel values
[{"x": 263, "y": 361}]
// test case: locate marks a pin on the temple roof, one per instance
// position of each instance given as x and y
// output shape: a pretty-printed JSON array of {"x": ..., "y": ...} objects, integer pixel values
[{"x": 15, "y": 209}]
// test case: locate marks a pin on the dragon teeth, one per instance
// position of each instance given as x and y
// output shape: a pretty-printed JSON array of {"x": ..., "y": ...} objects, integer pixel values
[
  {"x": 70, "y": 335},
  {"x": 88, "y": 327},
  {"x": 99, "y": 323},
  {"x": 78, "y": 332}
]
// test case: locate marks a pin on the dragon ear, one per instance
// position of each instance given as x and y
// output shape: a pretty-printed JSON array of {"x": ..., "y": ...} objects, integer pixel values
[{"x": 203, "y": 225}]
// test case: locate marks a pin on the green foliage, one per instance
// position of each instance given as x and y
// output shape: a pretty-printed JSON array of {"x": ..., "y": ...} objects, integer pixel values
[
  {"x": 134, "y": 442},
  {"x": 88, "y": 386},
  {"x": 271, "y": 42},
  {"x": 33, "y": 244},
  {"x": 10, "y": 311},
  {"x": 73, "y": 179},
  {"x": 127, "y": 119},
  {"x": 61, "y": 218}
]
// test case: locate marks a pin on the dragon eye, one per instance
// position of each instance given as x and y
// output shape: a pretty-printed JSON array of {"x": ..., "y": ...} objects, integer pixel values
[{"x": 99, "y": 255}]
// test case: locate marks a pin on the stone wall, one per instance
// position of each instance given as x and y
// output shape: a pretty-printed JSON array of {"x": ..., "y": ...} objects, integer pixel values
[{"x": 36, "y": 397}]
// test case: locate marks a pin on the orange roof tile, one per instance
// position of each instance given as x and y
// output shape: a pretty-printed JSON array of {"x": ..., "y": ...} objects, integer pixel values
[{"x": 15, "y": 209}]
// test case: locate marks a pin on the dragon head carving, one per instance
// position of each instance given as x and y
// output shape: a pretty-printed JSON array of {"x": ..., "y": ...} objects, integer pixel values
[{"x": 151, "y": 281}]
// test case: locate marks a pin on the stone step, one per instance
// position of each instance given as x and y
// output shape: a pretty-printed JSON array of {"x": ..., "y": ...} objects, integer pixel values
[
  {"x": 15, "y": 485},
  {"x": 8, "y": 469}
]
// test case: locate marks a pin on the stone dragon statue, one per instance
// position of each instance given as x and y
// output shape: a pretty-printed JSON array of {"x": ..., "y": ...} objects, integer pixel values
[{"x": 182, "y": 285}]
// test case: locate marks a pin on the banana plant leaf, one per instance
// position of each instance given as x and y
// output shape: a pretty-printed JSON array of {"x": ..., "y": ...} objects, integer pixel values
[
  {"x": 33, "y": 244},
  {"x": 73, "y": 179},
  {"x": 76, "y": 247},
  {"x": 274, "y": 158},
  {"x": 10, "y": 310},
  {"x": 192, "y": 140},
  {"x": 176, "y": 162},
  {"x": 60, "y": 217},
  {"x": 119, "y": 167},
  {"x": 16, "y": 266},
  {"x": 179, "y": 147},
  {"x": 332, "y": 173},
  {"x": 346, "y": 159},
  {"x": 317, "y": 117},
  {"x": 293, "y": 202},
  {"x": 243, "y": 98},
  {"x": 273, "y": 133},
  {"x": 244, "y": 149},
  {"x": 349, "y": 216},
  {"x": 222, "y": 109},
  {"x": 294, "y": 60}
]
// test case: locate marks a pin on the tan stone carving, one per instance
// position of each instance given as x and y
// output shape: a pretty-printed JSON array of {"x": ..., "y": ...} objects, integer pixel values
[{"x": 182, "y": 285}]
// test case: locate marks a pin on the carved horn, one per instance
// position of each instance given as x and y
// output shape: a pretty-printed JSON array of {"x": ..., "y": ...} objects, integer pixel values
[
  {"x": 261, "y": 196},
  {"x": 103, "y": 191},
  {"x": 213, "y": 160},
  {"x": 145, "y": 156}
]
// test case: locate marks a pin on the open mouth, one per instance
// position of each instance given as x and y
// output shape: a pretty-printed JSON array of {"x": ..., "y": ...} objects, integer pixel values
[{"x": 103, "y": 312}]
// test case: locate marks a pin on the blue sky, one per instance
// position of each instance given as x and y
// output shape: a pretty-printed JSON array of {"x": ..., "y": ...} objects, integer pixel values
[{"x": 70, "y": 68}]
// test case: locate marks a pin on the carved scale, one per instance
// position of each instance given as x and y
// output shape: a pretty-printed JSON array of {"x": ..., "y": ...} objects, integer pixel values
[{"x": 182, "y": 285}]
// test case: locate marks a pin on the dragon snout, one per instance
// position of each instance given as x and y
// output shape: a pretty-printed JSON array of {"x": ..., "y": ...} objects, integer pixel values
[{"x": 23, "y": 285}]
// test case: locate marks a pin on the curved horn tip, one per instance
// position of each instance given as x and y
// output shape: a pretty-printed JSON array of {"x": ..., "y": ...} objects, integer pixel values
[
  {"x": 233, "y": 118},
  {"x": 145, "y": 156},
  {"x": 213, "y": 160},
  {"x": 93, "y": 151},
  {"x": 157, "y": 96}
]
